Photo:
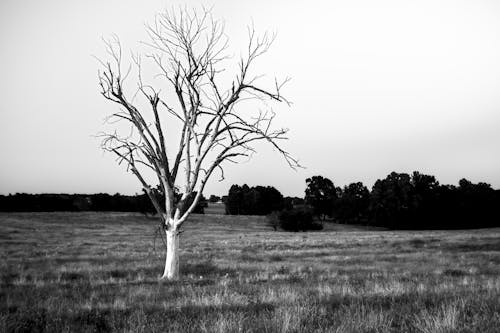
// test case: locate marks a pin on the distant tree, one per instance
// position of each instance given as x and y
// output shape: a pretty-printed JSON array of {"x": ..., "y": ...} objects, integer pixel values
[
  {"x": 418, "y": 201},
  {"x": 82, "y": 203},
  {"x": 352, "y": 205},
  {"x": 235, "y": 204},
  {"x": 213, "y": 198},
  {"x": 271, "y": 200},
  {"x": 252, "y": 200},
  {"x": 258, "y": 200},
  {"x": 321, "y": 195},
  {"x": 188, "y": 53},
  {"x": 477, "y": 205},
  {"x": 291, "y": 202},
  {"x": 425, "y": 201},
  {"x": 391, "y": 200}
]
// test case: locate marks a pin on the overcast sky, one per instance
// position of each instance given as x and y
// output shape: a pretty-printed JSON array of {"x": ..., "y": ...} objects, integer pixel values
[{"x": 377, "y": 86}]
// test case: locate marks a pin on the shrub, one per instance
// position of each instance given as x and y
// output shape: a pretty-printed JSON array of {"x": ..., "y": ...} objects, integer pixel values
[
  {"x": 273, "y": 220},
  {"x": 297, "y": 220}
]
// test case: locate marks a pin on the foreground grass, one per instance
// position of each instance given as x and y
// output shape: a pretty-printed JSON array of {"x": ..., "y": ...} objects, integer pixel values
[{"x": 92, "y": 272}]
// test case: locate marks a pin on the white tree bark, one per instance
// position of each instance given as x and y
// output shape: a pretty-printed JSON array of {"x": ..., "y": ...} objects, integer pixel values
[{"x": 171, "y": 271}]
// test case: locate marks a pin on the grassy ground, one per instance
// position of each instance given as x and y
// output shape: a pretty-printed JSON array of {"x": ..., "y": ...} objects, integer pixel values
[{"x": 91, "y": 272}]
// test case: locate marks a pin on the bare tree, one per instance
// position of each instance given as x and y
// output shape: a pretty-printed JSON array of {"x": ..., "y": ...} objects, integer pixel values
[{"x": 188, "y": 50}]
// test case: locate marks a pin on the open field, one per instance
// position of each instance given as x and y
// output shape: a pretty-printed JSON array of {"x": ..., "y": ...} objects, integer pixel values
[{"x": 93, "y": 272}]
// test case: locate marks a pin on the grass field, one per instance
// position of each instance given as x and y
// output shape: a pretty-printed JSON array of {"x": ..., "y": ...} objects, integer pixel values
[{"x": 93, "y": 272}]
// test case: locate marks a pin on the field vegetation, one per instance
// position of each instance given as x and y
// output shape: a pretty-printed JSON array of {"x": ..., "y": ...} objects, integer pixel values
[{"x": 98, "y": 272}]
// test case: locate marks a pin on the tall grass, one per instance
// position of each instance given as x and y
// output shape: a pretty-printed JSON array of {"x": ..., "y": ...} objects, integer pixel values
[{"x": 89, "y": 272}]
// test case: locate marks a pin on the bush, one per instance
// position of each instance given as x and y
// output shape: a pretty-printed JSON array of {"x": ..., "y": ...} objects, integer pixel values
[
  {"x": 273, "y": 220},
  {"x": 297, "y": 220}
]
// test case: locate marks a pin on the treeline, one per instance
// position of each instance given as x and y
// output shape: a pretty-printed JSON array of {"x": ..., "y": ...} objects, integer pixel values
[
  {"x": 258, "y": 200},
  {"x": 399, "y": 201},
  {"x": 403, "y": 201},
  {"x": 100, "y": 202},
  {"x": 285, "y": 212}
]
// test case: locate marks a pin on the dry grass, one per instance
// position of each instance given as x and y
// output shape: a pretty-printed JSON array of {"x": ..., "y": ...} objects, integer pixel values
[{"x": 93, "y": 272}]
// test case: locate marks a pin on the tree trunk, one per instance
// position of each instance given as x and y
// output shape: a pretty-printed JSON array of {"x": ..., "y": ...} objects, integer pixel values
[{"x": 172, "y": 259}]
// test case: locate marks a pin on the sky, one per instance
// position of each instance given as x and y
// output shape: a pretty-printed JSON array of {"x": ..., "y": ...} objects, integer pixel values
[{"x": 376, "y": 86}]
